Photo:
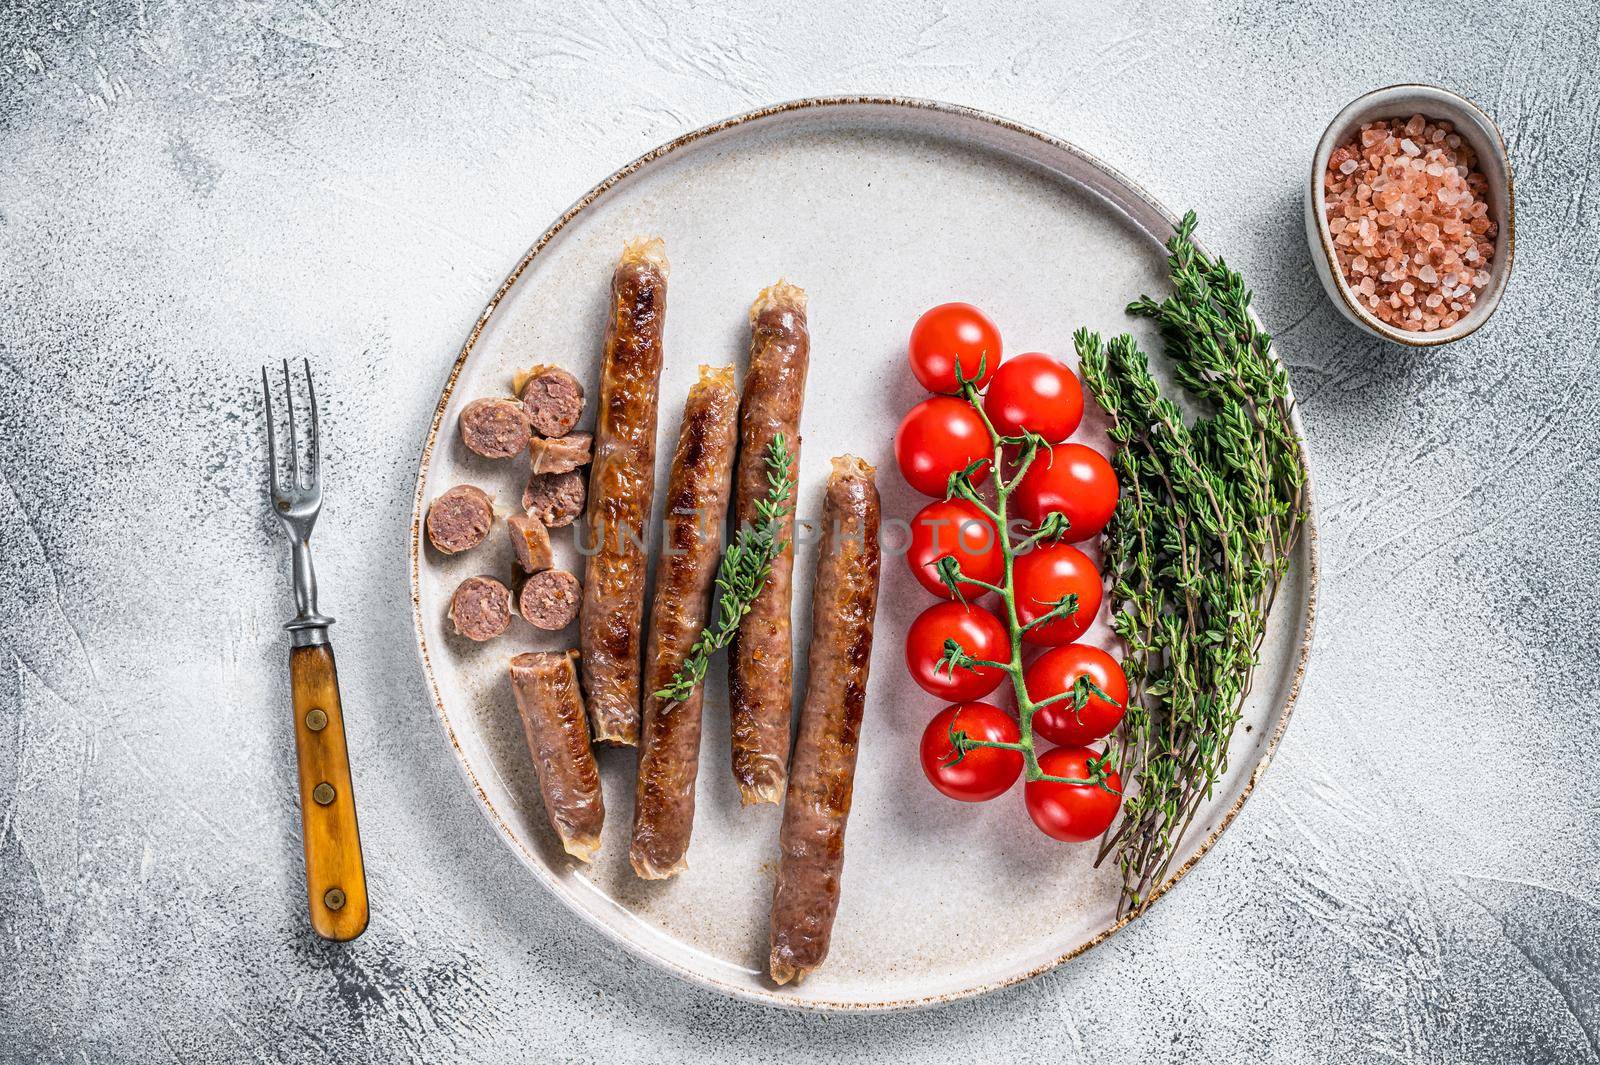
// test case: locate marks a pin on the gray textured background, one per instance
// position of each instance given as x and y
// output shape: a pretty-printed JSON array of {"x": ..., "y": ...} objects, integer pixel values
[{"x": 188, "y": 189}]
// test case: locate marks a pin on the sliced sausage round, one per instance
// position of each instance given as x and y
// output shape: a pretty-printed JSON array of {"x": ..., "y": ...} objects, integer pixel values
[
  {"x": 494, "y": 428},
  {"x": 559, "y": 455},
  {"x": 530, "y": 543},
  {"x": 554, "y": 498},
  {"x": 481, "y": 608},
  {"x": 549, "y": 599},
  {"x": 553, "y": 400},
  {"x": 460, "y": 519}
]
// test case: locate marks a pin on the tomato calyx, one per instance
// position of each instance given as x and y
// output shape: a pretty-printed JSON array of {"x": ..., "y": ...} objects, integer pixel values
[
  {"x": 1064, "y": 607},
  {"x": 1100, "y": 767},
  {"x": 955, "y": 657},
  {"x": 1082, "y": 688},
  {"x": 962, "y": 743}
]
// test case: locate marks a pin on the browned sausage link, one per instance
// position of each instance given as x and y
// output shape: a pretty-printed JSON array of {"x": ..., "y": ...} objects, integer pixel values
[
  {"x": 817, "y": 803},
  {"x": 621, "y": 483},
  {"x": 696, "y": 506},
  {"x": 761, "y": 660},
  {"x": 546, "y": 686}
]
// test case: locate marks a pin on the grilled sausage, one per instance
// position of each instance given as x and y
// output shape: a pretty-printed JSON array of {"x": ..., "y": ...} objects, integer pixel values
[
  {"x": 696, "y": 506},
  {"x": 549, "y": 599},
  {"x": 556, "y": 499},
  {"x": 494, "y": 428},
  {"x": 621, "y": 483},
  {"x": 817, "y": 803},
  {"x": 459, "y": 520},
  {"x": 530, "y": 543},
  {"x": 562, "y": 454},
  {"x": 552, "y": 398},
  {"x": 545, "y": 684},
  {"x": 761, "y": 659},
  {"x": 480, "y": 609}
]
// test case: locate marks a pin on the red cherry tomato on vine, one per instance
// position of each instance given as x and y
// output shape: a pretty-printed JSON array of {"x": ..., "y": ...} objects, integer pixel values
[
  {"x": 957, "y": 529},
  {"x": 979, "y": 633},
  {"x": 981, "y": 773},
  {"x": 1071, "y": 478},
  {"x": 1054, "y": 673},
  {"x": 1072, "y": 813},
  {"x": 1045, "y": 575},
  {"x": 936, "y": 438},
  {"x": 1034, "y": 391},
  {"x": 949, "y": 335}
]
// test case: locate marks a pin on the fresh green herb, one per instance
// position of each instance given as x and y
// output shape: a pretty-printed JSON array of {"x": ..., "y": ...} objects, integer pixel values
[
  {"x": 742, "y": 573},
  {"x": 1209, "y": 514}
]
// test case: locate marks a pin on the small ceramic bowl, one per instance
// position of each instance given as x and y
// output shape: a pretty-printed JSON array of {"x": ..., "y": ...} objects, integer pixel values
[{"x": 1478, "y": 130}]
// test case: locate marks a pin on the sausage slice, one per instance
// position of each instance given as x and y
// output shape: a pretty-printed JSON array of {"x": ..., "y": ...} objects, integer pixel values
[
  {"x": 530, "y": 543},
  {"x": 549, "y": 599},
  {"x": 480, "y": 609},
  {"x": 494, "y": 428},
  {"x": 552, "y": 399},
  {"x": 459, "y": 520},
  {"x": 696, "y": 506},
  {"x": 817, "y": 803},
  {"x": 761, "y": 659},
  {"x": 621, "y": 483},
  {"x": 556, "y": 499},
  {"x": 560, "y": 455},
  {"x": 545, "y": 684}
]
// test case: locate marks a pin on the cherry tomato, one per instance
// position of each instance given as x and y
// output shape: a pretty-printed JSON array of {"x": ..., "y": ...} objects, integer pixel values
[
  {"x": 1042, "y": 577},
  {"x": 981, "y": 773},
  {"x": 951, "y": 334},
  {"x": 958, "y": 529},
  {"x": 1071, "y": 478},
  {"x": 979, "y": 633},
  {"x": 1072, "y": 813},
  {"x": 936, "y": 438},
  {"x": 1034, "y": 391},
  {"x": 1054, "y": 673}
]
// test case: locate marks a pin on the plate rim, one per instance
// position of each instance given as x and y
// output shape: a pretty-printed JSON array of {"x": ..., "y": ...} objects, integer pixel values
[{"x": 764, "y": 995}]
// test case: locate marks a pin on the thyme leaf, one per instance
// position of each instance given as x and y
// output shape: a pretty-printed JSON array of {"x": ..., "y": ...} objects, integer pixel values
[{"x": 742, "y": 572}]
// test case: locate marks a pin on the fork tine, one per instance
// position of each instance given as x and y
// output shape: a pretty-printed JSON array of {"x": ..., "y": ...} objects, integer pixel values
[
  {"x": 315, "y": 462},
  {"x": 294, "y": 436},
  {"x": 272, "y": 436}
]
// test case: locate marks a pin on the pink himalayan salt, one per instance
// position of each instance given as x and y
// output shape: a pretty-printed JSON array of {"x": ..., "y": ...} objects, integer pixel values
[{"x": 1409, "y": 216}]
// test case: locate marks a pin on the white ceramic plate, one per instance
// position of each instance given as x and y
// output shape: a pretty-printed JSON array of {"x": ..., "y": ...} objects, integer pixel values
[{"x": 879, "y": 209}]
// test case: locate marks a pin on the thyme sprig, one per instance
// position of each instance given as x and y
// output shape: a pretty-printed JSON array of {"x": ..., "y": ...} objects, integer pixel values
[
  {"x": 742, "y": 572},
  {"x": 1199, "y": 544}
]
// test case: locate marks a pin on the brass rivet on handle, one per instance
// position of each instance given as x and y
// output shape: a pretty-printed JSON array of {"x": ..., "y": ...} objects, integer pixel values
[
  {"x": 323, "y": 793},
  {"x": 316, "y": 720},
  {"x": 333, "y": 899}
]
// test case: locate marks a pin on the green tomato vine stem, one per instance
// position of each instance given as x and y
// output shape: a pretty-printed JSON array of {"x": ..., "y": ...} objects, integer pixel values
[{"x": 962, "y": 485}]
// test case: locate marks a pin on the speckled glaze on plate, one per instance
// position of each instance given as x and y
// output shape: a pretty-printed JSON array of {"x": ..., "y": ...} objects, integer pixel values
[{"x": 879, "y": 208}]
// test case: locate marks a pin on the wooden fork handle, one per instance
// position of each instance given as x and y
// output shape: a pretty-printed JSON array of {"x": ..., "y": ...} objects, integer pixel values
[{"x": 336, "y": 882}]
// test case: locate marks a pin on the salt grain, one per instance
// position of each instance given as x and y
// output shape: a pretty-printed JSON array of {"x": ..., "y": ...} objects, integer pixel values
[{"x": 1407, "y": 212}]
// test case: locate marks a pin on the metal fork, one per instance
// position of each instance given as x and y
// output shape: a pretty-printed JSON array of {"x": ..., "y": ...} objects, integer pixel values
[{"x": 336, "y": 882}]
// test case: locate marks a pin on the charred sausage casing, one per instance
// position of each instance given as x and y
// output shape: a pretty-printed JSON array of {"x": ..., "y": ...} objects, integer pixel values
[
  {"x": 761, "y": 659},
  {"x": 696, "y": 507},
  {"x": 817, "y": 803},
  {"x": 545, "y": 684},
  {"x": 621, "y": 484}
]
